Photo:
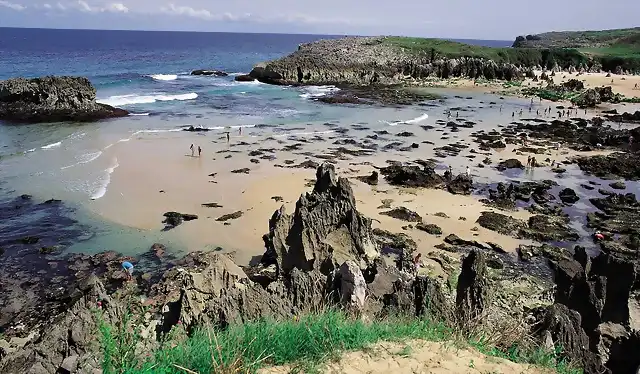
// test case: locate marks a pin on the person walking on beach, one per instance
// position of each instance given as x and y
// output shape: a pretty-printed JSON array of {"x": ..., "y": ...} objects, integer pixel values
[
  {"x": 468, "y": 172},
  {"x": 529, "y": 161},
  {"x": 128, "y": 269},
  {"x": 199, "y": 151},
  {"x": 240, "y": 131},
  {"x": 192, "y": 150},
  {"x": 228, "y": 137}
]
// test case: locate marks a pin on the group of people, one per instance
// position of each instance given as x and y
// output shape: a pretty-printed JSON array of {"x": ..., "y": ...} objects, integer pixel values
[{"x": 193, "y": 151}]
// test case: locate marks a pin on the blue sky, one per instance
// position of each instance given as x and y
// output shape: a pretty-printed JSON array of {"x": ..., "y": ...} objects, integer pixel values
[{"x": 473, "y": 19}]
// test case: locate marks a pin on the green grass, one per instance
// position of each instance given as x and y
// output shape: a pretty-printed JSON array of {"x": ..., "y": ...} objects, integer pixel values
[
  {"x": 304, "y": 343},
  {"x": 625, "y": 54}
]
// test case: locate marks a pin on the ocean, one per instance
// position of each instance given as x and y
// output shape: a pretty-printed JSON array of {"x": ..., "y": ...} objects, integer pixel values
[{"x": 147, "y": 73}]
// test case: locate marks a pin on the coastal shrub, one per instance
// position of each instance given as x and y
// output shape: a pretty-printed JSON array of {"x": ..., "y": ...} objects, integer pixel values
[{"x": 304, "y": 342}]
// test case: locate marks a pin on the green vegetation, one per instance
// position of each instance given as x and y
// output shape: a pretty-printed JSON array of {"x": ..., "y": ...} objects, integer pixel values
[
  {"x": 305, "y": 343},
  {"x": 624, "y": 52}
]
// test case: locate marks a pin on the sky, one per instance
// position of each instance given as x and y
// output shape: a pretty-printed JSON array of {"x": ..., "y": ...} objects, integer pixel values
[{"x": 465, "y": 19}]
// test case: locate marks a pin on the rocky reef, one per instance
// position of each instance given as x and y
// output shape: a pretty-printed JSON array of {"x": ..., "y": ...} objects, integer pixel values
[
  {"x": 52, "y": 99},
  {"x": 373, "y": 60}
]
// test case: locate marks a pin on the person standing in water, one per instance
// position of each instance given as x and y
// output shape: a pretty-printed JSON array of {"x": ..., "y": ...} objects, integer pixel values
[
  {"x": 240, "y": 130},
  {"x": 468, "y": 171},
  {"x": 228, "y": 137},
  {"x": 199, "y": 151},
  {"x": 192, "y": 150}
]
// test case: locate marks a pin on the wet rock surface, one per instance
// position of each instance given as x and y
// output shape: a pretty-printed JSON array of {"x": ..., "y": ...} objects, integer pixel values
[
  {"x": 616, "y": 165},
  {"x": 52, "y": 99}
]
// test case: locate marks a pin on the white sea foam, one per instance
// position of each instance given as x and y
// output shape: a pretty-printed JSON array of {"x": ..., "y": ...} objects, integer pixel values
[
  {"x": 409, "y": 122},
  {"x": 139, "y": 114},
  {"x": 102, "y": 190},
  {"x": 318, "y": 91},
  {"x": 236, "y": 74},
  {"x": 156, "y": 131},
  {"x": 122, "y": 100},
  {"x": 418, "y": 119},
  {"x": 52, "y": 145},
  {"x": 305, "y": 133},
  {"x": 85, "y": 159},
  {"x": 30, "y": 150},
  {"x": 164, "y": 77}
]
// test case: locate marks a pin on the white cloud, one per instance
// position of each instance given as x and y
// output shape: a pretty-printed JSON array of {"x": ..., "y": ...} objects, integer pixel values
[
  {"x": 60, "y": 6},
  {"x": 83, "y": 6},
  {"x": 187, "y": 11},
  {"x": 116, "y": 8},
  {"x": 13, "y": 6}
]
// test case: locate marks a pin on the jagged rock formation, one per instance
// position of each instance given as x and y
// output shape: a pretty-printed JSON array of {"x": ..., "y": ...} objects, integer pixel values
[
  {"x": 591, "y": 319},
  {"x": 471, "y": 296},
  {"x": 52, "y": 99},
  {"x": 372, "y": 60},
  {"x": 324, "y": 231}
]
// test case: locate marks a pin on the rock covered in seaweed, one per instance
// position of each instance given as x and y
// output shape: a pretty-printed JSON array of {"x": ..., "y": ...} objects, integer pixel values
[{"x": 52, "y": 99}]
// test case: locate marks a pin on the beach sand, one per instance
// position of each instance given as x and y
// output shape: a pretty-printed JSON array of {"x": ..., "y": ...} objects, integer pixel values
[{"x": 418, "y": 357}]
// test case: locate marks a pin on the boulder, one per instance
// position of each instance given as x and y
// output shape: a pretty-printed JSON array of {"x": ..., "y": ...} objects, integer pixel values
[
  {"x": 52, "y": 99},
  {"x": 501, "y": 223},
  {"x": 568, "y": 196},
  {"x": 511, "y": 163},
  {"x": 324, "y": 230}
]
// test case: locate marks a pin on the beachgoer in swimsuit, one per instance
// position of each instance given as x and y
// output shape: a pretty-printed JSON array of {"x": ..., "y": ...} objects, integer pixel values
[
  {"x": 228, "y": 138},
  {"x": 128, "y": 269},
  {"x": 192, "y": 150},
  {"x": 529, "y": 161},
  {"x": 468, "y": 172},
  {"x": 199, "y": 151}
]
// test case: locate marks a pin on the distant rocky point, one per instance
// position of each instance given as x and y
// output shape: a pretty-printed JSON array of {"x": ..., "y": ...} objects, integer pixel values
[
  {"x": 216, "y": 73},
  {"x": 52, "y": 99},
  {"x": 367, "y": 61}
]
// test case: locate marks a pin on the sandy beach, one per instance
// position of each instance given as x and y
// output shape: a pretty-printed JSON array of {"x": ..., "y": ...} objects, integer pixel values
[{"x": 156, "y": 174}]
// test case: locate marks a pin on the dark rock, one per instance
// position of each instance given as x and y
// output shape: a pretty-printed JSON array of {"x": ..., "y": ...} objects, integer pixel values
[
  {"x": 460, "y": 185},
  {"x": 616, "y": 165},
  {"x": 244, "y": 78},
  {"x": 277, "y": 199},
  {"x": 241, "y": 171},
  {"x": 52, "y": 99},
  {"x": 412, "y": 176},
  {"x": 173, "y": 219},
  {"x": 405, "y": 134},
  {"x": 403, "y": 214},
  {"x": 429, "y": 228},
  {"x": 500, "y": 223},
  {"x": 618, "y": 185},
  {"x": 158, "y": 250},
  {"x": 216, "y": 73},
  {"x": 369, "y": 179},
  {"x": 568, "y": 196},
  {"x": 212, "y": 205},
  {"x": 511, "y": 163},
  {"x": 196, "y": 129},
  {"x": 230, "y": 216},
  {"x": 308, "y": 164}
]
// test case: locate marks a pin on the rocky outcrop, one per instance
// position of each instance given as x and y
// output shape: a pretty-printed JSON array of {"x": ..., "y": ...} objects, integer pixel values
[
  {"x": 412, "y": 176},
  {"x": 613, "y": 166},
  {"x": 52, "y": 99},
  {"x": 372, "y": 60},
  {"x": 592, "y": 310},
  {"x": 324, "y": 231}
]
